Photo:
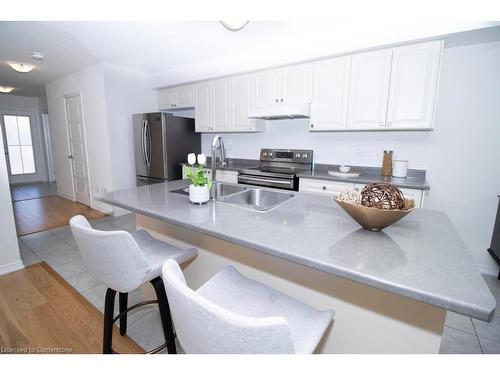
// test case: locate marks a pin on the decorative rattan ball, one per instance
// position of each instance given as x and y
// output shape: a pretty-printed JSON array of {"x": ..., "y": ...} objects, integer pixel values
[
  {"x": 350, "y": 196},
  {"x": 383, "y": 196}
]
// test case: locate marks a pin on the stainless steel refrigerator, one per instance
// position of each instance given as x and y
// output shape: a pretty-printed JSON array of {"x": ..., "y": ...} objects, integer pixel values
[{"x": 162, "y": 141}]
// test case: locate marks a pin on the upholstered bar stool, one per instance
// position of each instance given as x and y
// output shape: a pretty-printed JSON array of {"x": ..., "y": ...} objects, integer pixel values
[
  {"x": 124, "y": 261},
  {"x": 233, "y": 314}
]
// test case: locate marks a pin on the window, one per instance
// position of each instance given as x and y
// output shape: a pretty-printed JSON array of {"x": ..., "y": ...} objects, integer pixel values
[{"x": 19, "y": 144}]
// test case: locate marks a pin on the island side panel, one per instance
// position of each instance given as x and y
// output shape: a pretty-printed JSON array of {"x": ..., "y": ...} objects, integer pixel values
[{"x": 367, "y": 320}]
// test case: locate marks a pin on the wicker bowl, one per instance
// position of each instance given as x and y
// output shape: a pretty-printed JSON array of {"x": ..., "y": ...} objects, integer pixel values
[{"x": 375, "y": 219}]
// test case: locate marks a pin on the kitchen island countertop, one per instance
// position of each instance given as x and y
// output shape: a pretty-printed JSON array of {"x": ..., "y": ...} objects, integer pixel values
[{"x": 421, "y": 257}]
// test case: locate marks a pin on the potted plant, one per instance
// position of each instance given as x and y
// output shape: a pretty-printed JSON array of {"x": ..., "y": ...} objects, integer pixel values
[{"x": 199, "y": 190}]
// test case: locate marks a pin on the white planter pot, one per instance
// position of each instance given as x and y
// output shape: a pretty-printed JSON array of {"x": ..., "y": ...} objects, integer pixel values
[{"x": 199, "y": 194}]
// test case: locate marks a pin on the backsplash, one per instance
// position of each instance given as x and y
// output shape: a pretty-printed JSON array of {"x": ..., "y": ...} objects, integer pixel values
[{"x": 351, "y": 148}]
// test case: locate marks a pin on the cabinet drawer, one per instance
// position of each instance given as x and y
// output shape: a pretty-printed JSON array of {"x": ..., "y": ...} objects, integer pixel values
[
  {"x": 227, "y": 176},
  {"x": 323, "y": 187}
]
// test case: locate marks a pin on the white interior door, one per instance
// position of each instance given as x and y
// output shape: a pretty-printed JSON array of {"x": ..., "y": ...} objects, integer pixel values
[
  {"x": 78, "y": 154},
  {"x": 369, "y": 90},
  {"x": 23, "y": 147}
]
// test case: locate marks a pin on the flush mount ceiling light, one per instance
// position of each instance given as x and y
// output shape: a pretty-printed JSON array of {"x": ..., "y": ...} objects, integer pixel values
[
  {"x": 6, "y": 89},
  {"x": 234, "y": 25},
  {"x": 38, "y": 56},
  {"x": 20, "y": 67}
]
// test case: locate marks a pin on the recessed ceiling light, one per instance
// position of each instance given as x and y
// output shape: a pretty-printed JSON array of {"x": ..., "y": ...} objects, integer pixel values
[
  {"x": 6, "y": 89},
  {"x": 38, "y": 56},
  {"x": 20, "y": 67},
  {"x": 234, "y": 25}
]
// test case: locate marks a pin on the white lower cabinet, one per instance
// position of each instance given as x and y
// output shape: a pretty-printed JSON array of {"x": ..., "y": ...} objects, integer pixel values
[
  {"x": 334, "y": 188},
  {"x": 222, "y": 175}
]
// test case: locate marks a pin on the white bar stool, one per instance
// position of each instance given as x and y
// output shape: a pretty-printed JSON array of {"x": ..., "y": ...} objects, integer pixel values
[
  {"x": 124, "y": 261},
  {"x": 233, "y": 314}
]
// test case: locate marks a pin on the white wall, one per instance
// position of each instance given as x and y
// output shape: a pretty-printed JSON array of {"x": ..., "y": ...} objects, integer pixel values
[
  {"x": 89, "y": 83},
  {"x": 10, "y": 259},
  {"x": 127, "y": 92},
  {"x": 110, "y": 96},
  {"x": 461, "y": 155}
]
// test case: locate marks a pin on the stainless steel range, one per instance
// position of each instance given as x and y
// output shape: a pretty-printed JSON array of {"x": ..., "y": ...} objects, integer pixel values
[{"x": 278, "y": 168}]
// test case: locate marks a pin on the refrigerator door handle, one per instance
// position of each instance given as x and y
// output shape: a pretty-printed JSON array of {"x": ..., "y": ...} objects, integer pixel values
[
  {"x": 143, "y": 142},
  {"x": 148, "y": 143}
]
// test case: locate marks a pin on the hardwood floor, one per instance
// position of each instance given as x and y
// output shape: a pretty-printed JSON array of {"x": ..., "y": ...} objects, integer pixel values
[
  {"x": 35, "y": 215},
  {"x": 29, "y": 191},
  {"x": 41, "y": 313}
]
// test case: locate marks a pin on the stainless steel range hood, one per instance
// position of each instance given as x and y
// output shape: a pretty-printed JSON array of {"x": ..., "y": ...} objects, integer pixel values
[{"x": 280, "y": 112}]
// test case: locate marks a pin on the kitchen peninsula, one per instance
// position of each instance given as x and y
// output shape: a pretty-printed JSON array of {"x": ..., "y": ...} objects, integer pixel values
[{"x": 390, "y": 290}]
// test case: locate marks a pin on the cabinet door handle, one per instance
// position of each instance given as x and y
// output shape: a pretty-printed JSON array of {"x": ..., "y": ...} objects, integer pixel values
[
  {"x": 389, "y": 123},
  {"x": 381, "y": 123},
  {"x": 324, "y": 187},
  {"x": 276, "y": 100},
  {"x": 282, "y": 100},
  {"x": 312, "y": 126}
]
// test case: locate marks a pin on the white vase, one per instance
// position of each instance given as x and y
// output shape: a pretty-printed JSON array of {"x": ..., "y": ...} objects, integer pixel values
[{"x": 199, "y": 194}]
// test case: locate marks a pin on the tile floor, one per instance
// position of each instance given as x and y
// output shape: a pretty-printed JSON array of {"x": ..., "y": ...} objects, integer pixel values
[{"x": 57, "y": 247}]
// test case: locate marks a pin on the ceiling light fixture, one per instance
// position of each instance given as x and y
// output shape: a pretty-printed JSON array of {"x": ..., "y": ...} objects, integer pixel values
[
  {"x": 38, "y": 56},
  {"x": 6, "y": 89},
  {"x": 20, "y": 67},
  {"x": 234, "y": 25}
]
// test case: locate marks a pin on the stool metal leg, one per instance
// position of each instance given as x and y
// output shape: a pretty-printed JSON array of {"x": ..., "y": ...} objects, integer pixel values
[
  {"x": 109, "y": 306},
  {"x": 166, "y": 319},
  {"x": 123, "y": 308}
]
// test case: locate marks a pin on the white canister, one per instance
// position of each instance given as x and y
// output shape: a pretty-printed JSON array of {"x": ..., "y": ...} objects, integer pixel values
[
  {"x": 199, "y": 194},
  {"x": 400, "y": 168}
]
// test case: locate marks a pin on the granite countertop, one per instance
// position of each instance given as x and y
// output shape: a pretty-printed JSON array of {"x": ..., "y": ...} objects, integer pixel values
[
  {"x": 420, "y": 257},
  {"x": 415, "y": 180}
]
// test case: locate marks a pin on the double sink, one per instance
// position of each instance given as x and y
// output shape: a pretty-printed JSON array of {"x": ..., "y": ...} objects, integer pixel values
[{"x": 249, "y": 197}]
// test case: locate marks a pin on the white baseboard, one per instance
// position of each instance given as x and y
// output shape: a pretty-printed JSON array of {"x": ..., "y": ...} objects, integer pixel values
[
  {"x": 11, "y": 267},
  {"x": 65, "y": 196}
]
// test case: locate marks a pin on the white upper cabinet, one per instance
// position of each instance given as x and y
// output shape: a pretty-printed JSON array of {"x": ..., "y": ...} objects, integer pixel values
[
  {"x": 412, "y": 93},
  {"x": 222, "y": 104},
  {"x": 176, "y": 97},
  {"x": 267, "y": 88},
  {"x": 203, "y": 107},
  {"x": 184, "y": 96},
  {"x": 289, "y": 85},
  {"x": 296, "y": 84},
  {"x": 242, "y": 101},
  {"x": 369, "y": 90},
  {"x": 166, "y": 98},
  {"x": 330, "y": 93}
]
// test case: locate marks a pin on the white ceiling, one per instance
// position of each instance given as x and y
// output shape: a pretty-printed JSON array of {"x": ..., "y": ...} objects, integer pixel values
[{"x": 176, "y": 52}]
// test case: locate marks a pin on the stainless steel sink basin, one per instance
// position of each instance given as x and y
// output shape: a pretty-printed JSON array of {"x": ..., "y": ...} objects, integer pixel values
[{"x": 257, "y": 199}]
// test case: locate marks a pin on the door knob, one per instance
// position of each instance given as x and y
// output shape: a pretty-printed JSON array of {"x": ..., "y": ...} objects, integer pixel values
[{"x": 70, "y": 156}]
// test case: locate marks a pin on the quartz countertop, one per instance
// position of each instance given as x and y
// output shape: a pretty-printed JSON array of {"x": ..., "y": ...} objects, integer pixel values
[
  {"x": 415, "y": 180},
  {"x": 420, "y": 257}
]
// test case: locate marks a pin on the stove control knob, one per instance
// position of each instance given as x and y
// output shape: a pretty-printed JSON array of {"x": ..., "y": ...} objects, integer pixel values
[
  {"x": 264, "y": 154},
  {"x": 297, "y": 155},
  {"x": 270, "y": 154},
  {"x": 304, "y": 156}
]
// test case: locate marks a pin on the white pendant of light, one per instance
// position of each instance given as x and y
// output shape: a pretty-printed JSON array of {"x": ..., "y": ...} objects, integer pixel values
[
  {"x": 6, "y": 89},
  {"x": 234, "y": 25},
  {"x": 20, "y": 67}
]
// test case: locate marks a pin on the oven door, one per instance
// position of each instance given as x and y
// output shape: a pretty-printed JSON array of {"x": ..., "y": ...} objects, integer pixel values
[{"x": 278, "y": 183}]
